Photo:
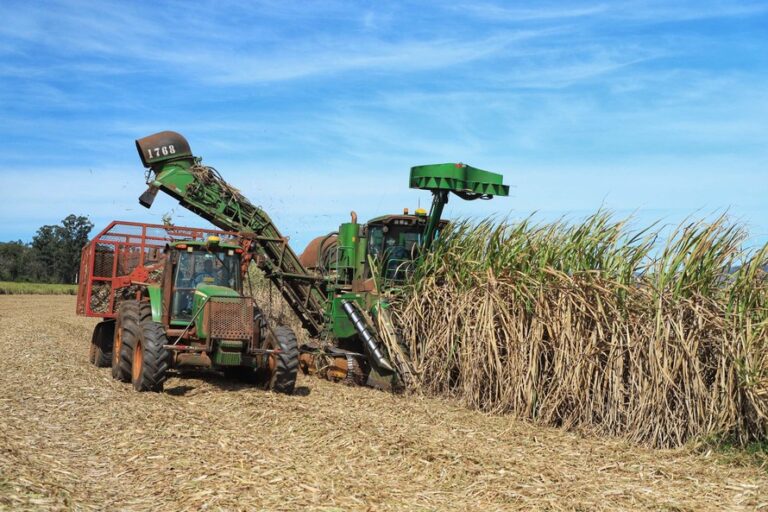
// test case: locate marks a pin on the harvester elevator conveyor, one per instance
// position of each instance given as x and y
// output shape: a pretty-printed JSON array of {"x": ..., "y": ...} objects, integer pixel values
[{"x": 174, "y": 170}]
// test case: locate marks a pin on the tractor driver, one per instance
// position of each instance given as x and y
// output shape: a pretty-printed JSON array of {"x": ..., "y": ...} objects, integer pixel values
[{"x": 207, "y": 274}]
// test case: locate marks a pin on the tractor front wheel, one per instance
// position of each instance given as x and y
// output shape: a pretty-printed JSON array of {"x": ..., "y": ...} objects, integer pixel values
[
  {"x": 151, "y": 360},
  {"x": 283, "y": 365}
]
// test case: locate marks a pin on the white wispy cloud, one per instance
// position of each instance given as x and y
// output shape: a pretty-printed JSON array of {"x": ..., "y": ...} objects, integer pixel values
[
  {"x": 497, "y": 12},
  {"x": 241, "y": 56},
  {"x": 344, "y": 56},
  {"x": 660, "y": 11},
  {"x": 653, "y": 11}
]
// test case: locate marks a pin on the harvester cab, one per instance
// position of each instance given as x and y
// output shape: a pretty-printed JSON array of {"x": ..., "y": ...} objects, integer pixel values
[
  {"x": 394, "y": 242},
  {"x": 382, "y": 251}
]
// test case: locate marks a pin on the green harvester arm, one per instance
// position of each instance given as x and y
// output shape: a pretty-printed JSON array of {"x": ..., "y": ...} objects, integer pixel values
[{"x": 173, "y": 169}]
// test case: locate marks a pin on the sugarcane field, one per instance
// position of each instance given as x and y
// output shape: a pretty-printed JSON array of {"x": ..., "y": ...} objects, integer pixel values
[{"x": 340, "y": 256}]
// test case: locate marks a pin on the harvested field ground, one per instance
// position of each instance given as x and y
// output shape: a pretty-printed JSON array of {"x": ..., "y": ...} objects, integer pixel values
[{"x": 72, "y": 438}]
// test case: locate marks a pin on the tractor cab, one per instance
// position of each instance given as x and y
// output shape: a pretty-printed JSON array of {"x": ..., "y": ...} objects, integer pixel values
[
  {"x": 201, "y": 268},
  {"x": 394, "y": 242}
]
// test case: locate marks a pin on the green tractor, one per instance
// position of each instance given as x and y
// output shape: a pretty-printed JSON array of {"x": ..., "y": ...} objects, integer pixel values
[{"x": 182, "y": 307}]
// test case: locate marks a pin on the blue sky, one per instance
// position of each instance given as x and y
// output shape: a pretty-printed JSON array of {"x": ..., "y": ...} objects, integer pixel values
[{"x": 316, "y": 108}]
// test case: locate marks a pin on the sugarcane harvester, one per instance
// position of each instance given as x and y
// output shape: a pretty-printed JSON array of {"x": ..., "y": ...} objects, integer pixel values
[{"x": 339, "y": 287}]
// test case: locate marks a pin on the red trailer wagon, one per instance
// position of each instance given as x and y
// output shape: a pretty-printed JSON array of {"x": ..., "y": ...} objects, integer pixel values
[{"x": 114, "y": 265}]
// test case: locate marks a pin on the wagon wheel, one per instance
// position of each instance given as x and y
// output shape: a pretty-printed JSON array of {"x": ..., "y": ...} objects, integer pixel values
[
  {"x": 100, "y": 353},
  {"x": 126, "y": 335}
]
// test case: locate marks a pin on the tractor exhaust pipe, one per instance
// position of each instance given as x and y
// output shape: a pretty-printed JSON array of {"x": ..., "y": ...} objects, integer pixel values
[{"x": 373, "y": 346}]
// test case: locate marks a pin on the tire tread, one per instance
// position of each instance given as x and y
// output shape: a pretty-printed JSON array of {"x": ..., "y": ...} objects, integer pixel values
[
  {"x": 129, "y": 316},
  {"x": 287, "y": 361},
  {"x": 157, "y": 359}
]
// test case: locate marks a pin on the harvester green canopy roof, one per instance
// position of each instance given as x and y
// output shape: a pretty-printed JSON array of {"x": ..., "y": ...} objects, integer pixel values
[{"x": 458, "y": 177}]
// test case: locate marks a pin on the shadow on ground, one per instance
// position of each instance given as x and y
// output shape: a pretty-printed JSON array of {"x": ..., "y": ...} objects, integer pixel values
[{"x": 218, "y": 380}]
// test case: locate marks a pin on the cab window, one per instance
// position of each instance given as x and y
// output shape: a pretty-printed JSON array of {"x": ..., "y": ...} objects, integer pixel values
[
  {"x": 201, "y": 267},
  {"x": 394, "y": 248}
]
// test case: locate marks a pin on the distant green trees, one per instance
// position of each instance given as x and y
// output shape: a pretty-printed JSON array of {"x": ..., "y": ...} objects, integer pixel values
[{"x": 52, "y": 257}]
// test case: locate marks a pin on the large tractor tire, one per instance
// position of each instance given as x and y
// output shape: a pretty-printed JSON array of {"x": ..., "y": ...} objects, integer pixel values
[
  {"x": 126, "y": 334},
  {"x": 284, "y": 365},
  {"x": 151, "y": 361},
  {"x": 101, "y": 344}
]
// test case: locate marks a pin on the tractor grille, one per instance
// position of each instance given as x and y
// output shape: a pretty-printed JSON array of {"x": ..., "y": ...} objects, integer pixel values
[{"x": 231, "y": 318}]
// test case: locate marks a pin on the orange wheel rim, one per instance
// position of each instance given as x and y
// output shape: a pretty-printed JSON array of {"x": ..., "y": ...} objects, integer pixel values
[
  {"x": 118, "y": 345},
  {"x": 137, "y": 361}
]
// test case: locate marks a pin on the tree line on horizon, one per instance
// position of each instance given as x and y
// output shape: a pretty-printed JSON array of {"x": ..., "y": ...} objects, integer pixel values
[{"x": 53, "y": 256}]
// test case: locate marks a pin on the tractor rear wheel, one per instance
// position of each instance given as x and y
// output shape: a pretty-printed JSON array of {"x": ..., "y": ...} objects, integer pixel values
[
  {"x": 284, "y": 364},
  {"x": 151, "y": 360},
  {"x": 126, "y": 334}
]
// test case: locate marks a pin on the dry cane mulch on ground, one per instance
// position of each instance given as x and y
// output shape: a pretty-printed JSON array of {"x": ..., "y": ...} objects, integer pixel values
[{"x": 72, "y": 438}]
